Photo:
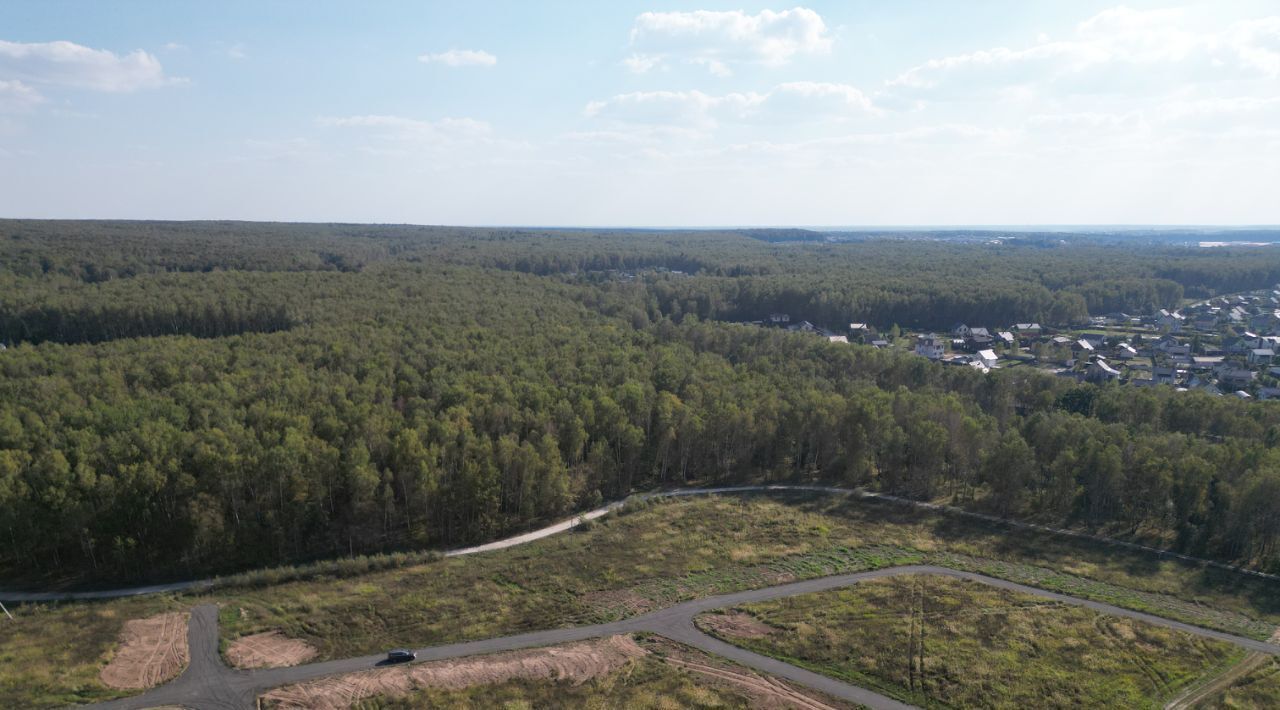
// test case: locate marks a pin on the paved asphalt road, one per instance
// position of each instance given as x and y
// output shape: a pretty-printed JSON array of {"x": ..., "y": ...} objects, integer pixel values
[{"x": 207, "y": 684}]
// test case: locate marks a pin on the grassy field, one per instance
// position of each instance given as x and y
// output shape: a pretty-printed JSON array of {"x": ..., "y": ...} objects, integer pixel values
[
  {"x": 941, "y": 642},
  {"x": 623, "y": 565},
  {"x": 50, "y": 655}
]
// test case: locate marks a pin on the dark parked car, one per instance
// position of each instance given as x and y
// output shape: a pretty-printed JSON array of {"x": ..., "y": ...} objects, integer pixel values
[{"x": 400, "y": 656}]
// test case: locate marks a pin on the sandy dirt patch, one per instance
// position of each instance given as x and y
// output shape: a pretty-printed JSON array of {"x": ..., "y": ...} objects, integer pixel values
[
  {"x": 151, "y": 651},
  {"x": 763, "y": 692},
  {"x": 735, "y": 625},
  {"x": 270, "y": 649},
  {"x": 575, "y": 663}
]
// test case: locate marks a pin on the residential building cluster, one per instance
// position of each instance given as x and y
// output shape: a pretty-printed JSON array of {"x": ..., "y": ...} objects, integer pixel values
[{"x": 1226, "y": 345}]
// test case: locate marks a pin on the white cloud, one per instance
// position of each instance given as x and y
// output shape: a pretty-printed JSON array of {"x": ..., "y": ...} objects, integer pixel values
[
  {"x": 69, "y": 64},
  {"x": 718, "y": 39},
  {"x": 443, "y": 133},
  {"x": 16, "y": 97},
  {"x": 460, "y": 58},
  {"x": 791, "y": 102},
  {"x": 237, "y": 52},
  {"x": 1119, "y": 50}
]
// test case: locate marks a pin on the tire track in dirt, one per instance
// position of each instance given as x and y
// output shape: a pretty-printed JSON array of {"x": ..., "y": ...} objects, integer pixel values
[
  {"x": 151, "y": 651},
  {"x": 1192, "y": 697},
  {"x": 761, "y": 689},
  {"x": 574, "y": 662},
  {"x": 269, "y": 649}
]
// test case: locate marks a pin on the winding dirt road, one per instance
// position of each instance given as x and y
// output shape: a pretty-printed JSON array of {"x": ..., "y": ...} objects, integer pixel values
[
  {"x": 207, "y": 684},
  {"x": 569, "y": 524}
]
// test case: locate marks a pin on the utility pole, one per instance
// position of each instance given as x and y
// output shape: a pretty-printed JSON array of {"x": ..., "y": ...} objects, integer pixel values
[{"x": 6, "y": 612}]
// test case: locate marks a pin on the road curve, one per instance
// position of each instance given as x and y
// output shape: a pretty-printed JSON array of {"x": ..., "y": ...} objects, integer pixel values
[
  {"x": 207, "y": 683},
  {"x": 570, "y": 523}
]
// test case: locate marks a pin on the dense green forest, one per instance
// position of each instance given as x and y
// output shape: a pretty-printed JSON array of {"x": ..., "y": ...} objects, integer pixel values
[{"x": 187, "y": 398}]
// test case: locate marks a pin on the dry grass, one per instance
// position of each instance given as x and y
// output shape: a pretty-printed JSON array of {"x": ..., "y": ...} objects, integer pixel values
[{"x": 942, "y": 642}]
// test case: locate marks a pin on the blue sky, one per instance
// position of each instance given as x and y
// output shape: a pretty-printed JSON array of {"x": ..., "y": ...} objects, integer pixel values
[{"x": 618, "y": 113}]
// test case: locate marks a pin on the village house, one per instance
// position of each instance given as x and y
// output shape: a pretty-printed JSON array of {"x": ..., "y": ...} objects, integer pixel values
[
  {"x": 979, "y": 337},
  {"x": 1164, "y": 375},
  {"x": 1205, "y": 363},
  {"x": 1267, "y": 322},
  {"x": 1234, "y": 376},
  {"x": 930, "y": 346},
  {"x": 1261, "y": 356},
  {"x": 987, "y": 358},
  {"x": 1171, "y": 346},
  {"x": 1170, "y": 321},
  {"x": 1100, "y": 371},
  {"x": 1095, "y": 339}
]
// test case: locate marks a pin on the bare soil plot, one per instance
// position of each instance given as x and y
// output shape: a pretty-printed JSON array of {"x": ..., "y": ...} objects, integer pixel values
[
  {"x": 763, "y": 691},
  {"x": 270, "y": 649},
  {"x": 734, "y": 624},
  {"x": 575, "y": 663},
  {"x": 151, "y": 651}
]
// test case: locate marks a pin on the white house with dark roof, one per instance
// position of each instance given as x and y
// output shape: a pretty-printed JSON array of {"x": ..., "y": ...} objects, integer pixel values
[{"x": 930, "y": 346}]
